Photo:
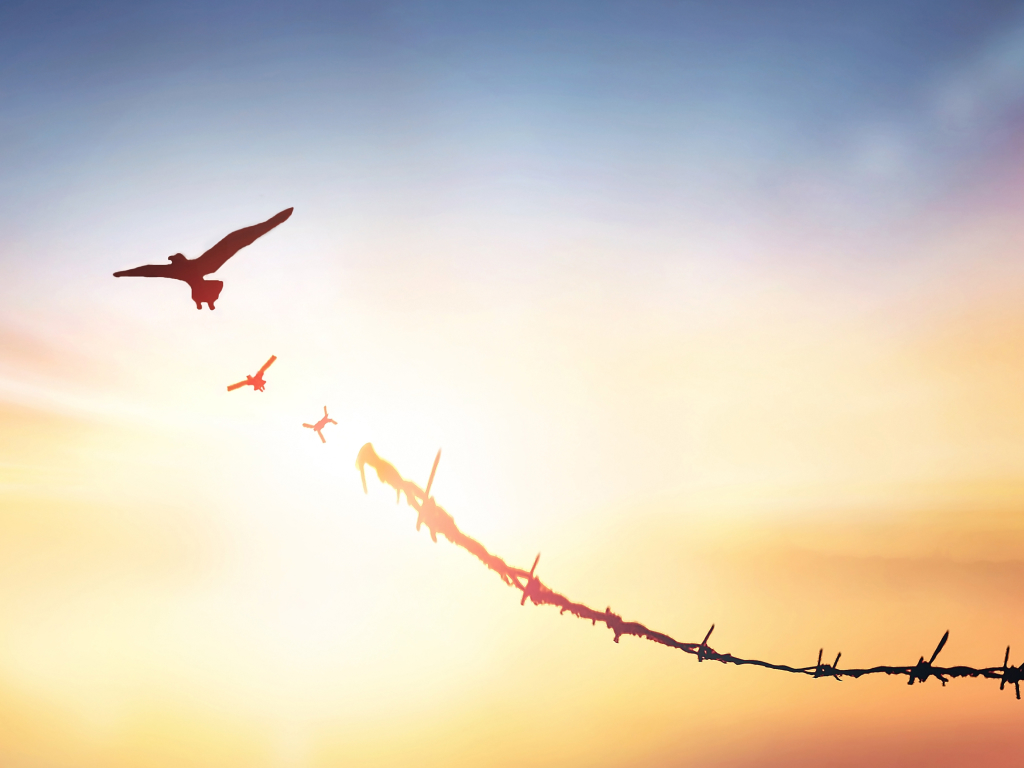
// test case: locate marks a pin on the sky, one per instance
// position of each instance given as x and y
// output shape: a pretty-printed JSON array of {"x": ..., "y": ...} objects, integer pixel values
[{"x": 715, "y": 305}]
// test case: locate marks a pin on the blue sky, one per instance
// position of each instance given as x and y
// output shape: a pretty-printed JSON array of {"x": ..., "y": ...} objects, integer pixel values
[{"x": 635, "y": 110}]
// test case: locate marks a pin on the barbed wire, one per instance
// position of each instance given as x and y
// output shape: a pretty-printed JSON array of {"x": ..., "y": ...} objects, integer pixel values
[{"x": 438, "y": 521}]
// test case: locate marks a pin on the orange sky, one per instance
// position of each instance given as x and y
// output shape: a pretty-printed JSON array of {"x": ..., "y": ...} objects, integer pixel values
[{"x": 188, "y": 576}]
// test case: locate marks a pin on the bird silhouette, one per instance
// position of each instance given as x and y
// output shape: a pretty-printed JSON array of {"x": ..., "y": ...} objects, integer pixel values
[
  {"x": 192, "y": 271},
  {"x": 256, "y": 382},
  {"x": 318, "y": 427}
]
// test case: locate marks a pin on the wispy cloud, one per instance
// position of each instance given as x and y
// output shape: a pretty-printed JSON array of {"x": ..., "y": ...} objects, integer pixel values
[{"x": 984, "y": 90}]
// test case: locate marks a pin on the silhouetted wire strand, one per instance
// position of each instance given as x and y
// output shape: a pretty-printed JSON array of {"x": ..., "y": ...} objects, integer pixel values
[{"x": 440, "y": 522}]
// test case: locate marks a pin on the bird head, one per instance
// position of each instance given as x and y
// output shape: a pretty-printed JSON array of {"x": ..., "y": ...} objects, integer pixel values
[{"x": 177, "y": 258}]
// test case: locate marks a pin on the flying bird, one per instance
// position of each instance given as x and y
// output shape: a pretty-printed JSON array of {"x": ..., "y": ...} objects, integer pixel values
[
  {"x": 256, "y": 382},
  {"x": 318, "y": 427},
  {"x": 192, "y": 271}
]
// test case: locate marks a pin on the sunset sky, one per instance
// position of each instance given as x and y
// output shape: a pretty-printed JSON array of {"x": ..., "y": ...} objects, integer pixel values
[{"x": 717, "y": 305}]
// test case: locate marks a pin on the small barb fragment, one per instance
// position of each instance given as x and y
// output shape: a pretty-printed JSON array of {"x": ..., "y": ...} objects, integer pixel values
[{"x": 318, "y": 427}]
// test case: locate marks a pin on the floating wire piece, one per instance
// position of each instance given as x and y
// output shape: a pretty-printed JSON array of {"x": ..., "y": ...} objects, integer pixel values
[
  {"x": 256, "y": 382},
  {"x": 318, "y": 427},
  {"x": 440, "y": 522}
]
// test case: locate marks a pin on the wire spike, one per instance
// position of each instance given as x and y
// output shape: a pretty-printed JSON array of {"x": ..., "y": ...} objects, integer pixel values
[
  {"x": 938, "y": 648},
  {"x": 708, "y": 635},
  {"x": 1006, "y": 659},
  {"x": 433, "y": 469}
]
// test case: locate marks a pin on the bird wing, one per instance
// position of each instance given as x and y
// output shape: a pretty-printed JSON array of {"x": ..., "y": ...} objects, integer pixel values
[
  {"x": 214, "y": 258},
  {"x": 236, "y": 386},
  {"x": 309, "y": 426},
  {"x": 266, "y": 365},
  {"x": 150, "y": 270},
  {"x": 322, "y": 438}
]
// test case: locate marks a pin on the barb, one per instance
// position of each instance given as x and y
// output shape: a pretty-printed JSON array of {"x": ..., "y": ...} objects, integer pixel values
[{"x": 528, "y": 582}]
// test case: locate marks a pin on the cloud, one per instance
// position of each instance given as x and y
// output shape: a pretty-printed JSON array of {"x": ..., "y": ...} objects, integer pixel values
[{"x": 984, "y": 89}]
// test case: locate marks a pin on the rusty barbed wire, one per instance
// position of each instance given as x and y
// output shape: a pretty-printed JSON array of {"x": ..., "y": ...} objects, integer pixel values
[{"x": 438, "y": 521}]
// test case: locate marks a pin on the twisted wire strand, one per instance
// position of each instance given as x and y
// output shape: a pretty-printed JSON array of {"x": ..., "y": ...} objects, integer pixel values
[{"x": 438, "y": 521}]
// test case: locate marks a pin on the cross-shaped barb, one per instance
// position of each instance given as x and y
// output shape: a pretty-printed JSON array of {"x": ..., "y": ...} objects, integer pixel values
[
  {"x": 704, "y": 651},
  {"x": 532, "y": 588},
  {"x": 923, "y": 669},
  {"x": 827, "y": 670},
  {"x": 1011, "y": 674}
]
